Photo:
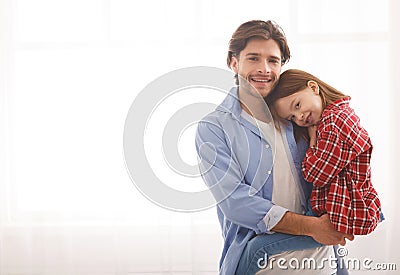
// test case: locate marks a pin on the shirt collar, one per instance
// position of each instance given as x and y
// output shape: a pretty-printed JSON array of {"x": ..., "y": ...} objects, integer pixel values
[{"x": 231, "y": 103}]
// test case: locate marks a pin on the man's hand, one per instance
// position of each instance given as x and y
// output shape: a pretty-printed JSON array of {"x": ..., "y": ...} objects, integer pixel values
[
  {"x": 319, "y": 228},
  {"x": 324, "y": 232}
]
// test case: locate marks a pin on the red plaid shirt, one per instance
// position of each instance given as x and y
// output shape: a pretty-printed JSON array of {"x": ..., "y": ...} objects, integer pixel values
[{"x": 339, "y": 167}]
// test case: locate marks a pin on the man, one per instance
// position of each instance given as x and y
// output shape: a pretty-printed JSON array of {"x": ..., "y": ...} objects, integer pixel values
[{"x": 252, "y": 170}]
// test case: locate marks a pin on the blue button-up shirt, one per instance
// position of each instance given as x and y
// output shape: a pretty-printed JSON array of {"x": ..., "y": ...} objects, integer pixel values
[{"x": 237, "y": 166}]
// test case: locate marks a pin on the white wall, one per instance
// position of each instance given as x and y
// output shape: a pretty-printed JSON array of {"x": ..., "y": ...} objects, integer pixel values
[{"x": 69, "y": 73}]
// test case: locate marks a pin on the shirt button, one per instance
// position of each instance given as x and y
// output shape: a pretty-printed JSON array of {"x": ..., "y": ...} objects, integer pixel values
[
  {"x": 267, "y": 146},
  {"x": 269, "y": 172}
]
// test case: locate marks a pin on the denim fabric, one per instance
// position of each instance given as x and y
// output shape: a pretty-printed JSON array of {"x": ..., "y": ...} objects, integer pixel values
[{"x": 263, "y": 246}]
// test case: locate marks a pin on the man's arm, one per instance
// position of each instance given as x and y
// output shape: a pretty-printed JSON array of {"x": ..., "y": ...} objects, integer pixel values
[
  {"x": 224, "y": 176},
  {"x": 319, "y": 228}
]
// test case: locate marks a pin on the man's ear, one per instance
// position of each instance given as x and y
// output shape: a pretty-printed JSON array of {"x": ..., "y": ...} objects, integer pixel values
[
  {"x": 314, "y": 86},
  {"x": 235, "y": 64}
]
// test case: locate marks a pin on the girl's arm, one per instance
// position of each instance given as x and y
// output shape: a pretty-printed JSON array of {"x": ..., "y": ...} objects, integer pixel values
[
  {"x": 326, "y": 158},
  {"x": 340, "y": 140},
  {"x": 312, "y": 133}
]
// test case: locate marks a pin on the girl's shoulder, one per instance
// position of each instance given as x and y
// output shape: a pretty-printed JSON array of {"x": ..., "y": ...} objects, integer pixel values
[
  {"x": 338, "y": 111},
  {"x": 341, "y": 119}
]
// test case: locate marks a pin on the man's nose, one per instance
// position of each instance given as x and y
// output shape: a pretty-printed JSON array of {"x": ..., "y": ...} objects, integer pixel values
[{"x": 264, "y": 67}]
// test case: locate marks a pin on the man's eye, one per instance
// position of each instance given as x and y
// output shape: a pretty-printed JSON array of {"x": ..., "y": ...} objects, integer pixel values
[
  {"x": 292, "y": 118},
  {"x": 274, "y": 61},
  {"x": 297, "y": 106},
  {"x": 253, "y": 58}
]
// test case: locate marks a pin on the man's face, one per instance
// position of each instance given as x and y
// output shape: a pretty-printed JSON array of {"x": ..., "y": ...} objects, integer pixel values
[{"x": 260, "y": 64}]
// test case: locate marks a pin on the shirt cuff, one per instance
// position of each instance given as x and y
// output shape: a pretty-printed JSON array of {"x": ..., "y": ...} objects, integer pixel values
[{"x": 274, "y": 215}]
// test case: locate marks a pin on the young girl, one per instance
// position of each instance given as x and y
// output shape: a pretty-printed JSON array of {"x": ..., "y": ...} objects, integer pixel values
[{"x": 338, "y": 159}]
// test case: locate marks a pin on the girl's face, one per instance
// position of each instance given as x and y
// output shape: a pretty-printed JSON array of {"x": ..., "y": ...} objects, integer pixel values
[{"x": 303, "y": 107}]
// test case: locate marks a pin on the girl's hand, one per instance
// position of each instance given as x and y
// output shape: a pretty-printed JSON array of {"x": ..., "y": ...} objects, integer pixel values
[{"x": 312, "y": 132}]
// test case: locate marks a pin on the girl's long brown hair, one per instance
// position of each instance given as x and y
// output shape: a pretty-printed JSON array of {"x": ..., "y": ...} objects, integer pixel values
[{"x": 292, "y": 81}]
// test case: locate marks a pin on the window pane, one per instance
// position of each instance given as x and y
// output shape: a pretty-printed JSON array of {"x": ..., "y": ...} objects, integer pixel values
[
  {"x": 59, "y": 21},
  {"x": 342, "y": 16}
]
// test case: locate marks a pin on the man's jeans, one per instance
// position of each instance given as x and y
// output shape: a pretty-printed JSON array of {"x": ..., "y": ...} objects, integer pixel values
[{"x": 261, "y": 247}]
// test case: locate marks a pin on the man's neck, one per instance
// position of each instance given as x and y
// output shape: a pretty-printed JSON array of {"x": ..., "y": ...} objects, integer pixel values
[{"x": 254, "y": 105}]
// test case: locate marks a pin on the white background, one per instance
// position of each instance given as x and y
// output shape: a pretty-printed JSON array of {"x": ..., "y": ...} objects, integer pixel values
[{"x": 69, "y": 71}]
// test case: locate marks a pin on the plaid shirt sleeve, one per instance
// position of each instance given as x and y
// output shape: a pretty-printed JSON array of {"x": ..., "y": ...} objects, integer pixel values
[
  {"x": 324, "y": 160},
  {"x": 332, "y": 153}
]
